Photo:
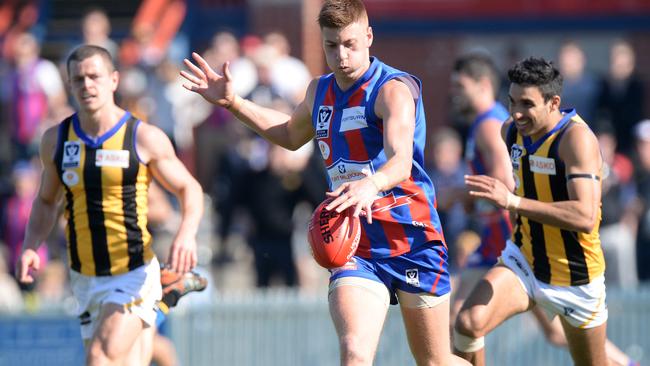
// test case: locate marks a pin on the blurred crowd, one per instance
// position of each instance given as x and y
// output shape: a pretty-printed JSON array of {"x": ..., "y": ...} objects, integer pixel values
[{"x": 260, "y": 195}]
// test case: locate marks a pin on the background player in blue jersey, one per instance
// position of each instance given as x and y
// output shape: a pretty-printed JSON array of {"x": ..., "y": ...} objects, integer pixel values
[
  {"x": 474, "y": 86},
  {"x": 368, "y": 121}
]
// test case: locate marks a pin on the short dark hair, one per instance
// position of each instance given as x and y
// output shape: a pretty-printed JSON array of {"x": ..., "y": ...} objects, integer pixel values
[
  {"x": 341, "y": 13},
  {"x": 537, "y": 72},
  {"x": 477, "y": 65},
  {"x": 85, "y": 51}
]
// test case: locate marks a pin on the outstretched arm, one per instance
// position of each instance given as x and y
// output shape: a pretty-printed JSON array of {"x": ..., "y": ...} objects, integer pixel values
[
  {"x": 44, "y": 210},
  {"x": 290, "y": 132},
  {"x": 497, "y": 162},
  {"x": 156, "y": 150}
]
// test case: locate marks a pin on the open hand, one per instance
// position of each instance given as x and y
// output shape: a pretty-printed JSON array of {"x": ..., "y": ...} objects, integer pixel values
[
  {"x": 216, "y": 89},
  {"x": 182, "y": 254},
  {"x": 29, "y": 261},
  {"x": 488, "y": 188}
]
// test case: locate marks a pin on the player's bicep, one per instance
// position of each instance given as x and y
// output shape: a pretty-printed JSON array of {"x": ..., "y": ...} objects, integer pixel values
[
  {"x": 396, "y": 107},
  {"x": 498, "y": 163},
  {"x": 170, "y": 172},
  {"x": 156, "y": 150},
  {"x": 50, "y": 188},
  {"x": 583, "y": 164},
  {"x": 300, "y": 127}
]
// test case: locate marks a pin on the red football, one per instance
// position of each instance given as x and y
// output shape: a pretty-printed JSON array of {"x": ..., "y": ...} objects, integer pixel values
[{"x": 333, "y": 236}]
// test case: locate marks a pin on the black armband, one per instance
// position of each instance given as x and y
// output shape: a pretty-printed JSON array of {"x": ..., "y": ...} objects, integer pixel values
[{"x": 583, "y": 175}]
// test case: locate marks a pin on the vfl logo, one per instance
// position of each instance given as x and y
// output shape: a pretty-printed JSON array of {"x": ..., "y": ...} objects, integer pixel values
[
  {"x": 413, "y": 277},
  {"x": 568, "y": 311},
  {"x": 71, "y": 155},
  {"x": 516, "y": 152},
  {"x": 342, "y": 169},
  {"x": 72, "y": 150},
  {"x": 323, "y": 122}
]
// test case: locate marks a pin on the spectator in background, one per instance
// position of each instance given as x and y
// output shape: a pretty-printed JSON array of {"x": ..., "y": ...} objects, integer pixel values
[
  {"x": 35, "y": 95},
  {"x": 11, "y": 300},
  {"x": 174, "y": 111},
  {"x": 622, "y": 95},
  {"x": 265, "y": 92},
  {"x": 25, "y": 181},
  {"x": 155, "y": 26},
  {"x": 15, "y": 21},
  {"x": 642, "y": 134},
  {"x": 216, "y": 129},
  {"x": 620, "y": 213},
  {"x": 581, "y": 88},
  {"x": 269, "y": 193},
  {"x": 225, "y": 48},
  {"x": 96, "y": 30},
  {"x": 289, "y": 75},
  {"x": 447, "y": 171}
]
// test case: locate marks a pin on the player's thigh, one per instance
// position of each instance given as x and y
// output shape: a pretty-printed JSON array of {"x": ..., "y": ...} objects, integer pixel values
[
  {"x": 427, "y": 326},
  {"x": 496, "y": 297},
  {"x": 142, "y": 349},
  {"x": 587, "y": 346},
  {"x": 468, "y": 279},
  {"x": 117, "y": 331},
  {"x": 358, "y": 307}
]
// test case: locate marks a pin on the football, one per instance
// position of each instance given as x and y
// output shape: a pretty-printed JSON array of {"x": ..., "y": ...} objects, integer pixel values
[{"x": 333, "y": 237}]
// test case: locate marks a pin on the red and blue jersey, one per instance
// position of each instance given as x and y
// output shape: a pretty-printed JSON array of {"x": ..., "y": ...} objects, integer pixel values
[
  {"x": 495, "y": 223},
  {"x": 350, "y": 139}
]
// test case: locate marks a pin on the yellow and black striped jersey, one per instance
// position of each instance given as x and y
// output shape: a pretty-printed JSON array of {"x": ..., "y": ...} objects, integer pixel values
[
  {"x": 105, "y": 198},
  {"x": 557, "y": 256}
]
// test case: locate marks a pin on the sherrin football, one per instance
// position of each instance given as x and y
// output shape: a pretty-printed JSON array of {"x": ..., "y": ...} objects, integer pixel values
[{"x": 333, "y": 237}]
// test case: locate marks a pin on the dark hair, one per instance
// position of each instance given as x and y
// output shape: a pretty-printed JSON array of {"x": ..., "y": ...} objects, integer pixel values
[
  {"x": 477, "y": 65},
  {"x": 341, "y": 13},
  {"x": 537, "y": 72},
  {"x": 85, "y": 51}
]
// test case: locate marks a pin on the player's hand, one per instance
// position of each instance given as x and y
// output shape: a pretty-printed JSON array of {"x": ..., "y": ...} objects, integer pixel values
[
  {"x": 28, "y": 262},
  {"x": 182, "y": 254},
  {"x": 360, "y": 194},
  {"x": 488, "y": 188},
  {"x": 216, "y": 89}
]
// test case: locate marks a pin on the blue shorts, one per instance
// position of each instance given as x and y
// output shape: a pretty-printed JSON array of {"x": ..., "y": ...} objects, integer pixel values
[{"x": 424, "y": 270}]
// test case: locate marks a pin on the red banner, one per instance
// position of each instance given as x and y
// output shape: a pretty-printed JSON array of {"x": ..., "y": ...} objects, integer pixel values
[{"x": 445, "y": 9}]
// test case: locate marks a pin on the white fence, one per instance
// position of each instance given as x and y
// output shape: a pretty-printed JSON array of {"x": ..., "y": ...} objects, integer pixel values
[
  {"x": 268, "y": 329},
  {"x": 287, "y": 329}
]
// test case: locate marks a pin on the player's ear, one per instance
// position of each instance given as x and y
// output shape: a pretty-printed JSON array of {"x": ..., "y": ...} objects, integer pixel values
[
  {"x": 115, "y": 79},
  {"x": 555, "y": 103},
  {"x": 369, "y": 36}
]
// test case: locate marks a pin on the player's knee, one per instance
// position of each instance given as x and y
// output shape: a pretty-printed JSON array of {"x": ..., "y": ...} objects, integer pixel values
[
  {"x": 96, "y": 354},
  {"x": 471, "y": 323},
  {"x": 557, "y": 339},
  {"x": 467, "y": 344},
  {"x": 101, "y": 352},
  {"x": 354, "y": 351}
]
